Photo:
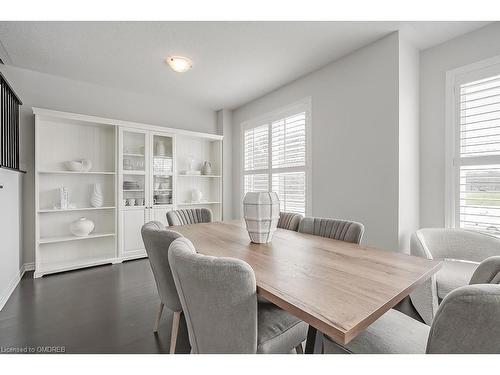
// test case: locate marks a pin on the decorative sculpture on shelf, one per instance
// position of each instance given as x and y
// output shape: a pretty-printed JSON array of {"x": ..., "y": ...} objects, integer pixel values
[{"x": 96, "y": 200}]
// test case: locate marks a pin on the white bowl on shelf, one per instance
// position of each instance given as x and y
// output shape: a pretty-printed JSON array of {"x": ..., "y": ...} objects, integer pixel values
[{"x": 83, "y": 165}]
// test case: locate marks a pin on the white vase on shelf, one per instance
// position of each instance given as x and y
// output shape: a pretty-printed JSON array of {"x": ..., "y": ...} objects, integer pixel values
[
  {"x": 81, "y": 227},
  {"x": 96, "y": 199},
  {"x": 196, "y": 195},
  {"x": 261, "y": 211},
  {"x": 207, "y": 168}
]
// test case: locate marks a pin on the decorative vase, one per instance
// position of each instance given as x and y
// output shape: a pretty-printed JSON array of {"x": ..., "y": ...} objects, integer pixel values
[
  {"x": 81, "y": 227},
  {"x": 161, "y": 148},
  {"x": 207, "y": 168},
  {"x": 261, "y": 212},
  {"x": 96, "y": 198},
  {"x": 196, "y": 195},
  {"x": 63, "y": 198}
]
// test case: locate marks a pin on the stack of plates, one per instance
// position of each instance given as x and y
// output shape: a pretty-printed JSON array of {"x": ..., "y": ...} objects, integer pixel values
[{"x": 131, "y": 185}]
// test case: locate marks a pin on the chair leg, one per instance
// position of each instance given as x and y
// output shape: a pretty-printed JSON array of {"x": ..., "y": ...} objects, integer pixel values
[
  {"x": 175, "y": 330},
  {"x": 158, "y": 317},
  {"x": 299, "y": 349}
]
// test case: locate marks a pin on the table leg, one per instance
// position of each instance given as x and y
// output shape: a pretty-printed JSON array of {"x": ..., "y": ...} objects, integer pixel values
[{"x": 314, "y": 343}]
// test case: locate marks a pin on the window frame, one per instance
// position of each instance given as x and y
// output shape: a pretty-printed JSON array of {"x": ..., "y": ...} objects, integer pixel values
[
  {"x": 303, "y": 105},
  {"x": 454, "y": 78}
]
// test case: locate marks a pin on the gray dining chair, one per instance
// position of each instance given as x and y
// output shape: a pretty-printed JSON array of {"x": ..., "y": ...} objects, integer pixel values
[
  {"x": 189, "y": 216},
  {"x": 460, "y": 250},
  {"x": 343, "y": 230},
  {"x": 466, "y": 322},
  {"x": 289, "y": 220},
  {"x": 157, "y": 241},
  {"x": 219, "y": 300}
]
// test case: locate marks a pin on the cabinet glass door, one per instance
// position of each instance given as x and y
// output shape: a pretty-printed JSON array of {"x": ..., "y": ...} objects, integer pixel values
[
  {"x": 162, "y": 170},
  {"x": 133, "y": 169}
]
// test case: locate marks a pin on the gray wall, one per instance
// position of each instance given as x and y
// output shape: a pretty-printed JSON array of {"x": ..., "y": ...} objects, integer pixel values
[
  {"x": 354, "y": 138},
  {"x": 47, "y": 91},
  {"x": 434, "y": 62},
  {"x": 408, "y": 142}
]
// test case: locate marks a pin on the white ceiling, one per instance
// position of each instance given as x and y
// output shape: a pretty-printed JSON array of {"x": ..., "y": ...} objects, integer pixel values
[{"x": 233, "y": 62}]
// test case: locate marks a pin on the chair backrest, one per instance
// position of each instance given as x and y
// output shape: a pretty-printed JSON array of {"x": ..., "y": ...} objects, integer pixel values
[
  {"x": 343, "y": 230},
  {"x": 468, "y": 318},
  {"x": 189, "y": 216},
  {"x": 289, "y": 220},
  {"x": 157, "y": 241},
  {"x": 448, "y": 243},
  {"x": 219, "y": 300}
]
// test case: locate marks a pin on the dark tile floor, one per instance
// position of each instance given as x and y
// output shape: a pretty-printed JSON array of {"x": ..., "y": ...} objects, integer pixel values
[{"x": 107, "y": 309}]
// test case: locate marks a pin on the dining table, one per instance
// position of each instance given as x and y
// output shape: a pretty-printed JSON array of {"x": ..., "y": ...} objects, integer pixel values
[{"x": 338, "y": 288}]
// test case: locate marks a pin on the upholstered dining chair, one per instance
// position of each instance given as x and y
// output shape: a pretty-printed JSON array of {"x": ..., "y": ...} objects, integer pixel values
[
  {"x": 466, "y": 322},
  {"x": 219, "y": 300},
  {"x": 157, "y": 241},
  {"x": 289, "y": 220},
  {"x": 461, "y": 252},
  {"x": 343, "y": 230},
  {"x": 189, "y": 216}
]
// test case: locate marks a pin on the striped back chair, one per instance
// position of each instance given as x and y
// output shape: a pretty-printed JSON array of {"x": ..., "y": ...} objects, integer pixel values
[
  {"x": 189, "y": 216},
  {"x": 343, "y": 230},
  {"x": 289, "y": 220}
]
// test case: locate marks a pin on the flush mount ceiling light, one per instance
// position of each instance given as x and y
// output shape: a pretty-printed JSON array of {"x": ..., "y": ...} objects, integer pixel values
[{"x": 180, "y": 64}]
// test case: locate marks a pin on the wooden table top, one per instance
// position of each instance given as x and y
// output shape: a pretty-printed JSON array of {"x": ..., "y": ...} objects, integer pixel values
[{"x": 337, "y": 287}]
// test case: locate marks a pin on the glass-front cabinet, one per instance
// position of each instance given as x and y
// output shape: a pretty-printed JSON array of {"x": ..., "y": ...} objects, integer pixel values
[
  {"x": 162, "y": 170},
  {"x": 146, "y": 185}
]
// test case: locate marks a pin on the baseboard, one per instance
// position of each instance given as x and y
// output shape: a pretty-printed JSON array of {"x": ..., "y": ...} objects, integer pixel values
[
  {"x": 13, "y": 284},
  {"x": 28, "y": 267}
]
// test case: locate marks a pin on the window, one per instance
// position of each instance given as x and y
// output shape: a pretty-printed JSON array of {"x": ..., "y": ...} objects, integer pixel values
[
  {"x": 275, "y": 156},
  {"x": 9, "y": 126},
  {"x": 476, "y": 161}
]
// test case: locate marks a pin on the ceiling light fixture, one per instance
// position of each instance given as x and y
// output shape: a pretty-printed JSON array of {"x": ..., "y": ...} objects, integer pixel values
[{"x": 179, "y": 64}]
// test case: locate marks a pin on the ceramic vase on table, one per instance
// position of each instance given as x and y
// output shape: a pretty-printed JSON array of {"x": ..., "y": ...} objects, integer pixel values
[
  {"x": 261, "y": 211},
  {"x": 96, "y": 198},
  {"x": 81, "y": 227}
]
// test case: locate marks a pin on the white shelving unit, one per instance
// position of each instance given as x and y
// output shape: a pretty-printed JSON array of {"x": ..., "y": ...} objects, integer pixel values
[{"x": 140, "y": 169}]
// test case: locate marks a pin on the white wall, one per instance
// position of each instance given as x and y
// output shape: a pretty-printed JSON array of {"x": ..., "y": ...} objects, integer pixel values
[
  {"x": 225, "y": 128},
  {"x": 354, "y": 138},
  {"x": 434, "y": 62},
  {"x": 408, "y": 142},
  {"x": 10, "y": 209},
  {"x": 47, "y": 91}
]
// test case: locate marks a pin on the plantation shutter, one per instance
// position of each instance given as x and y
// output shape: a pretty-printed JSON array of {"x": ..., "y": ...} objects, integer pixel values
[
  {"x": 275, "y": 159},
  {"x": 479, "y": 156}
]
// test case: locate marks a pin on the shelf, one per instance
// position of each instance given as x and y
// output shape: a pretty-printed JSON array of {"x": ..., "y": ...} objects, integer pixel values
[
  {"x": 166, "y": 174},
  {"x": 134, "y": 155},
  {"x": 76, "y": 172},
  {"x": 73, "y": 238},
  {"x": 199, "y": 175},
  {"x": 132, "y": 172},
  {"x": 132, "y": 190},
  {"x": 162, "y": 157},
  {"x": 78, "y": 209},
  {"x": 196, "y": 203},
  {"x": 162, "y": 189}
]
